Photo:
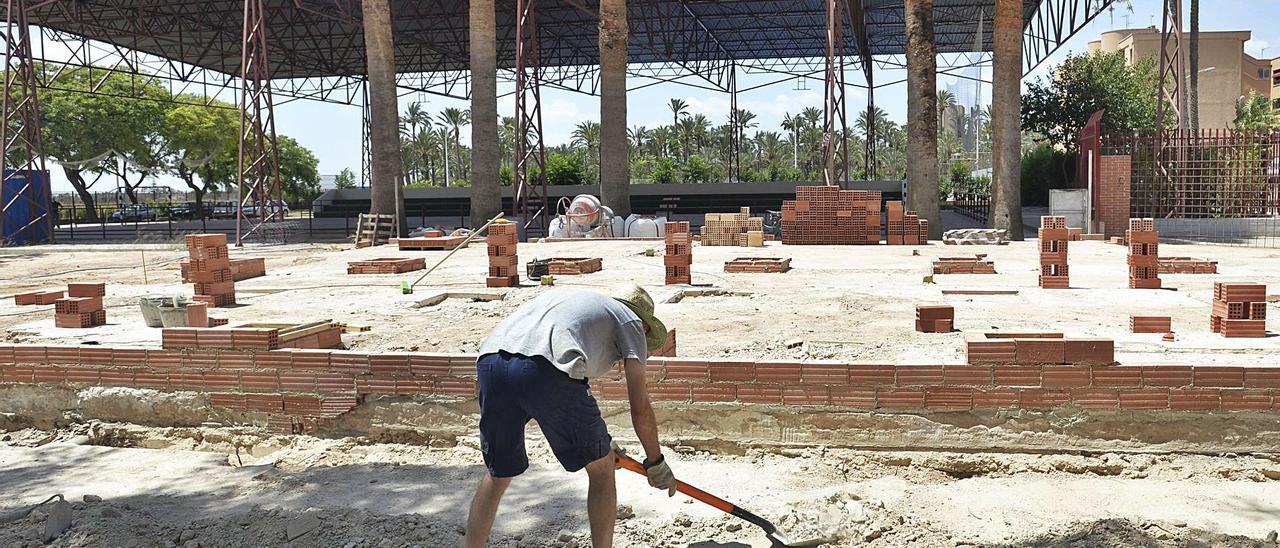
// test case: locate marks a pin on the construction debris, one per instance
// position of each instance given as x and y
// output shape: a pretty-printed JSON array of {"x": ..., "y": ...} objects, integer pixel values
[{"x": 976, "y": 236}]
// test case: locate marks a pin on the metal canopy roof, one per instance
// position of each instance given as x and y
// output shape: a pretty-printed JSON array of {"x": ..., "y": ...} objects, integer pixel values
[{"x": 323, "y": 38}]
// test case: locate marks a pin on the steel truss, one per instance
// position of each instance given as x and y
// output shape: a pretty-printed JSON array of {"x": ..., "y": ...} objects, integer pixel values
[
  {"x": 530, "y": 153},
  {"x": 1052, "y": 23},
  {"x": 258, "y": 172},
  {"x": 835, "y": 151},
  {"x": 20, "y": 132}
]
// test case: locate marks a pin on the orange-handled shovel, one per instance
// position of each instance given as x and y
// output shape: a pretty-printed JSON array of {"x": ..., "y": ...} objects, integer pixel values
[{"x": 770, "y": 530}]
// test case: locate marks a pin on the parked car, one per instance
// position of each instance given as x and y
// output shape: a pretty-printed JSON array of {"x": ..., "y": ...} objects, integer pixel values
[
  {"x": 188, "y": 210},
  {"x": 224, "y": 210},
  {"x": 133, "y": 213},
  {"x": 275, "y": 209}
]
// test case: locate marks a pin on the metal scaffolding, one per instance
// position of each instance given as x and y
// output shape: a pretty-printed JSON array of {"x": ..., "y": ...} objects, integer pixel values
[
  {"x": 258, "y": 171},
  {"x": 530, "y": 152},
  {"x": 20, "y": 134}
]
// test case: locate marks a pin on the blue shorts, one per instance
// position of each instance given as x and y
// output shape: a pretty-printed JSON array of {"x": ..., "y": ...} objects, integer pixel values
[{"x": 514, "y": 389}]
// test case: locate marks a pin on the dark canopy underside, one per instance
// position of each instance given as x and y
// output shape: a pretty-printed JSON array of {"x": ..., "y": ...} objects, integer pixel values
[{"x": 314, "y": 38}]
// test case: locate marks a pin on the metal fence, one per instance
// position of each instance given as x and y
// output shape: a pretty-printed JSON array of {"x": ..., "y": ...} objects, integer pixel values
[
  {"x": 298, "y": 226},
  {"x": 1214, "y": 185}
]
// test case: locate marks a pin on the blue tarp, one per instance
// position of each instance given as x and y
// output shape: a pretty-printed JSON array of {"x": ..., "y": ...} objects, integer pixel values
[{"x": 25, "y": 201}]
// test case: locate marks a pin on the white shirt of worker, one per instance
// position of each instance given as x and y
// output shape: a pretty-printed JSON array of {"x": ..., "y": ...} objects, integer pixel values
[{"x": 582, "y": 333}]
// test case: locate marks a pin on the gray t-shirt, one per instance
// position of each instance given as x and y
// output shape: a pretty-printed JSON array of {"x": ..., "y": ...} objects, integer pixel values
[{"x": 582, "y": 333}]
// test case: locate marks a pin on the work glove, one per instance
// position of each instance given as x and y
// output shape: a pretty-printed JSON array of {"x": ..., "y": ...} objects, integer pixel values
[{"x": 660, "y": 476}]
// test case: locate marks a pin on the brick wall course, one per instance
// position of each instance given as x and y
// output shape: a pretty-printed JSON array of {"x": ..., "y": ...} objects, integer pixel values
[{"x": 264, "y": 379}]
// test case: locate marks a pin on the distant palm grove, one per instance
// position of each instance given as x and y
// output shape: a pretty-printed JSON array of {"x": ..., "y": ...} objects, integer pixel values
[{"x": 691, "y": 149}]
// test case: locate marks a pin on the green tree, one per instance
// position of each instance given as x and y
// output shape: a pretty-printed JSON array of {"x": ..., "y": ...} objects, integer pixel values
[
  {"x": 201, "y": 140},
  {"x": 89, "y": 133},
  {"x": 1059, "y": 105},
  {"x": 1254, "y": 112},
  {"x": 345, "y": 179},
  {"x": 698, "y": 170},
  {"x": 565, "y": 169},
  {"x": 665, "y": 172},
  {"x": 299, "y": 178}
]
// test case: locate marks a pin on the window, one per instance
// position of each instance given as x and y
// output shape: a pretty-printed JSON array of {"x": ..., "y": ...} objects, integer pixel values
[
  {"x": 1262, "y": 74},
  {"x": 1275, "y": 78},
  {"x": 1275, "y": 104}
]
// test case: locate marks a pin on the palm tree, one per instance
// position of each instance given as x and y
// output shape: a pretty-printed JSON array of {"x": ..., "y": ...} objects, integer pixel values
[
  {"x": 946, "y": 100},
  {"x": 792, "y": 124},
  {"x": 453, "y": 119},
  {"x": 1193, "y": 89},
  {"x": 636, "y": 137},
  {"x": 507, "y": 140},
  {"x": 587, "y": 135},
  {"x": 678, "y": 107}
]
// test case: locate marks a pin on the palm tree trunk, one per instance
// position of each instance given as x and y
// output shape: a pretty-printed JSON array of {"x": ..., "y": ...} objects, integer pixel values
[
  {"x": 615, "y": 177},
  {"x": 922, "y": 115},
  {"x": 1193, "y": 90},
  {"x": 486, "y": 197},
  {"x": 384, "y": 134},
  {"x": 1006, "y": 105}
]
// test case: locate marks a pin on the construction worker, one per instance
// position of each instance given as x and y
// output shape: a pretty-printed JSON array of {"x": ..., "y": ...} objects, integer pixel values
[{"x": 535, "y": 365}]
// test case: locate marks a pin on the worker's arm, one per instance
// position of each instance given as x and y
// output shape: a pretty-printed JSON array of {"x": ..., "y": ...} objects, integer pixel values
[{"x": 642, "y": 417}]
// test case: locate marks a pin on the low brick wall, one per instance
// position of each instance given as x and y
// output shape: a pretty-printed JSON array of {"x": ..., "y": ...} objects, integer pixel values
[{"x": 299, "y": 390}]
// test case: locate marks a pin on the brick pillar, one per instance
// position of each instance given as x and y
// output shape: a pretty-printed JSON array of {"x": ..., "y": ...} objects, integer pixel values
[{"x": 1113, "y": 194}]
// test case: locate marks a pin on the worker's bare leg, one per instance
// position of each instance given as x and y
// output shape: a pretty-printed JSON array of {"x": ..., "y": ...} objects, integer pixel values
[
  {"x": 484, "y": 507},
  {"x": 602, "y": 501}
]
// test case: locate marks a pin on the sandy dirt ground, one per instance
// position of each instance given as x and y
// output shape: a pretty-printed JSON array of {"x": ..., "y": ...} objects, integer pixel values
[
  {"x": 847, "y": 303},
  {"x": 299, "y": 491}
]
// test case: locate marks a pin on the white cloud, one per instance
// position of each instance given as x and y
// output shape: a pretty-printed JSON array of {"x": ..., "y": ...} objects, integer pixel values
[{"x": 1257, "y": 47}]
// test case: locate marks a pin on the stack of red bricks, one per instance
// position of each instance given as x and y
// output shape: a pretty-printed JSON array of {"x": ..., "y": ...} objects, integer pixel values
[
  {"x": 573, "y": 266},
  {"x": 678, "y": 259},
  {"x": 826, "y": 215},
  {"x": 239, "y": 338},
  {"x": 1150, "y": 324},
  {"x": 1053, "y": 252},
  {"x": 905, "y": 227},
  {"x": 1187, "y": 265},
  {"x": 503, "y": 263},
  {"x": 82, "y": 307},
  {"x": 241, "y": 269},
  {"x": 761, "y": 265},
  {"x": 210, "y": 269},
  {"x": 37, "y": 298},
  {"x": 1144, "y": 258},
  {"x": 1239, "y": 310},
  {"x": 977, "y": 264},
  {"x": 730, "y": 228},
  {"x": 386, "y": 265},
  {"x": 935, "y": 318},
  {"x": 1040, "y": 349}
]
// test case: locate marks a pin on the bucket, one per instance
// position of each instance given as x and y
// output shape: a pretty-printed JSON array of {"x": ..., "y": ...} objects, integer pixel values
[
  {"x": 173, "y": 316},
  {"x": 150, "y": 306}
]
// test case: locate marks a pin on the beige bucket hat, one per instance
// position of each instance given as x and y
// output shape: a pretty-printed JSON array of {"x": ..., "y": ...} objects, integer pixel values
[{"x": 639, "y": 301}]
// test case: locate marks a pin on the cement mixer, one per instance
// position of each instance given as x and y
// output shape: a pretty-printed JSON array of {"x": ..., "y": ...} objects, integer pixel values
[{"x": 582, "y": 217}]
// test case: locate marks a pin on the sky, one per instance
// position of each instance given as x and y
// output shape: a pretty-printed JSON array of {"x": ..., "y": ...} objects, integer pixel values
[{"x": 333, "y": 132}]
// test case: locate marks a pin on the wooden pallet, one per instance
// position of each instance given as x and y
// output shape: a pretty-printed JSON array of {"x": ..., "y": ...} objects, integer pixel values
[
  {"x": 976, "y": 264},
  {"x": 758, "y": 264},
  {"x": 374, "y": 229},
  {"x": 437, "y": 243},
  {"x": 386, "y": 265}
]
